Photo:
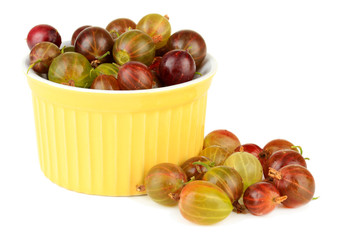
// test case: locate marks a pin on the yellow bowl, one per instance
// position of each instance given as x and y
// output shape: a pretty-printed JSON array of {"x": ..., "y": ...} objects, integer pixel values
[{"x": 104, "y": 142}]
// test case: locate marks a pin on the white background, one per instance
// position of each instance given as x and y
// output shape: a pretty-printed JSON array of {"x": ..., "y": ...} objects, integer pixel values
[{"x": 279, "y": 76}]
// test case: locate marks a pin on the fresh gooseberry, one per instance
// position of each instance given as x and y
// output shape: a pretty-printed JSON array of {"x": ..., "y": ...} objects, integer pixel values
[
  {"x": 157, "y": 27},
  {"x": 134, "y": 75},
  {"x": 190, "y": 41},
  {"x": 216, "y": 154},
  {"x": 228, "y": 179},
  {"x": 105, "y": 82},
  {"x": 76, "y": 33},
  {"x": 134, "y": 45},
  {"x": 204, "y": 203},
  {"x": 107, "y": 69},
  {"x": 294, "y": 181},
  {"x": 41, "y": 56},
  {"x": 43, "y": 33},
  {"x": 273, "y": 146},
  {"x": 163, "y": 183},
  {"x": 195, "y": 171},
  {"x": 72, "y": 69},
  {"x": 95, "y": 43},
  {"x": 282, "y": 158},
  {"x": 247, "y": 165},
  {"x": 119, "y": 26},
  {"x": 223, "y": 138},
  {"x": 261, "y": 198},
  {"x": 250, "y": 148},
  {"x": 177, "y": 66}
]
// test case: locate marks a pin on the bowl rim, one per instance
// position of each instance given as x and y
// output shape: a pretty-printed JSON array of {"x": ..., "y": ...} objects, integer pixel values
[{"x": 35, "y": 76}]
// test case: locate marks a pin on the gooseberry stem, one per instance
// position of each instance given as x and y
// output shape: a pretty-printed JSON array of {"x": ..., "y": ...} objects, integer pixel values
[
  {"x": 140, "y": 188},
  {"x": 315, "y": 198},
  {"x": 241, "y": 149},
  {"x": 207, "y": 166},
  {"x": 279, "y": 200},
  {"x": 198, "y": 73},
  {"x": 33, "y": 64},
  {"x": 298, "y": 147},
  {"x": 62, "y": 50},
  {"x": 273, "y": 173},
  {"x": 103, "y": 56},
  {"x": 238, "y": 207}
]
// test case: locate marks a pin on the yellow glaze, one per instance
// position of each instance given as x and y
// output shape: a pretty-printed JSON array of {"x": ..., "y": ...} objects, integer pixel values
[{"x": 104, "y": 142}]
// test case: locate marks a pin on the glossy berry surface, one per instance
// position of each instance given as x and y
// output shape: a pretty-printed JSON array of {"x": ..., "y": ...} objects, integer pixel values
[
  {"x": 105, "y": 82},
  {"x": 191, "y": 41},
  {"x": 273, "y": 146},
  {"x": 250, "y": 148},
  {"x": 93, "y": 43},
  {"x": 43, "y": 33},
  {"x": 204, "y": 203},
  {"x": 177, "y": 66},
  {"x": 162, "y": 180},
  {"x": 72, "y": 69},
  {"x": 134, "y": 45},
  {"x": 216, "y": 154},
  {"x": 157, "y": 27},
  {"x": 119, "y": 26},
  {"x": 134, "y": 76},
  {"x": 283, "y": 158},
  {"x": 228, "y": 179},
  {"x": 247, "y": 165},
  {"x": 195, "y": 170},
  {"x": 261, "y": 198},
  {"x": 41, "y": 56},
  {"x": 77, "y": 32},
  {"x": 223, "y": 138},
  {"x": 296, "y": 182}
]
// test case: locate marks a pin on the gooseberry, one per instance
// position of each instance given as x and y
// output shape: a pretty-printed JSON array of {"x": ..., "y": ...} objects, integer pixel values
[
  {"x": 77, "y": 32},
  {"x": 72, "y": 69},
  {"x": 273, "y": 146},
  {"x": 119, "y": 26},
  {"x": 223, "y": 138},
  {"x": 195, "y": 171},
  {"x": 163, "y": 183},
  {"x": 134, "y": 75},
  {"x": 95, "y": 43},
  {"x": 250, "y": 148},
  {"x": 177, "y": 66},
  {"x": 229, "y": 180},
  {"x": 191, "y": 41},
  {"x": 296, "y": 182},
  {"x": 105, "y": 82},
  {"x": 204, "y": 203},
  {"x": 261, "y": 198},
  {"x": 216, "y": 154},
  {"x": 107, "y": 69},
  {"x": 134, "y": 45},
  {"x": 43, "y": 33},
  {"x": 247, "y": 165},
  {"x": 283, "y": 158},
  {"x": 41, "y": 56},
  {"x": 157, "y": 27}
]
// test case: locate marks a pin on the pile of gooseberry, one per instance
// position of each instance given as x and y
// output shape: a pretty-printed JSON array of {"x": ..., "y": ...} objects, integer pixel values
[
  {"x": 229, "y": 176},
  {"x": 122, "y": 56}
]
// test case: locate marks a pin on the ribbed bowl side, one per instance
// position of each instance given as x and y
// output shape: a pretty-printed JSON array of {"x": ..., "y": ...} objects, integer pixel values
[{"x": 108, "y": 153}]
